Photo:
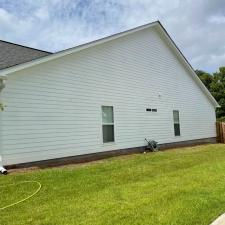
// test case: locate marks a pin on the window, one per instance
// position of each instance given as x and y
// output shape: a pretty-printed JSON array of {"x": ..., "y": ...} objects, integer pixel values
[
  {"x": 176, "y": 122},
  {"x": 107, "y": 124}
]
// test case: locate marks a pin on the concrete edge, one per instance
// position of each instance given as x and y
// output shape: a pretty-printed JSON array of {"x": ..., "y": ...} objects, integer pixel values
[{"x": 219, "y": 221}]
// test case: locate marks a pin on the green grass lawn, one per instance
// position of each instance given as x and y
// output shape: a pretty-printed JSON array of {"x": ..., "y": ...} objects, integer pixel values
[{"x": 182, "y": 186}]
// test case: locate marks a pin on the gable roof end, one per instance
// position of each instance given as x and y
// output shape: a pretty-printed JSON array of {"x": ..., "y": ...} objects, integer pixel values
[
  {"x": 12, "y": 54},
  {"x": 78, "y": 48},
  {"x": 188, "y": 65}
]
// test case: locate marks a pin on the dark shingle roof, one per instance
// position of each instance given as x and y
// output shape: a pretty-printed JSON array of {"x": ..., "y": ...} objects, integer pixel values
[{"x": 12, "y": 54}]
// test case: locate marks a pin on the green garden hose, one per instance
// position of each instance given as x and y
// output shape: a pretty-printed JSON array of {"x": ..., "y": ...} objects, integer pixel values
[{"x": 28, "y": 197}]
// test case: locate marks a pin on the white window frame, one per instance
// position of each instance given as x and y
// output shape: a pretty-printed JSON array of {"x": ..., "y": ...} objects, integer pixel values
[
  {"x": 112, "y": 124},
  {"x": 176, "y": 110}
]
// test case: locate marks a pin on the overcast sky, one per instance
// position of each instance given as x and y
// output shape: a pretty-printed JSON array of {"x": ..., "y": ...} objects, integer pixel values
[{"x": 197, "y": 26}]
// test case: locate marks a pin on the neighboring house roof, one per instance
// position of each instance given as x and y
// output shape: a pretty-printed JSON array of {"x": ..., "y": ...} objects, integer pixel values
[
  {"x": 155, "y": 24},
  {"x": 13, "y": 54}
]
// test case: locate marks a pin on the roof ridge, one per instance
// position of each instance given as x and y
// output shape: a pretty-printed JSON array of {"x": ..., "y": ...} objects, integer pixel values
[
  {"x": 108, "y": 36},
  {"x": 81, "y": 47}
]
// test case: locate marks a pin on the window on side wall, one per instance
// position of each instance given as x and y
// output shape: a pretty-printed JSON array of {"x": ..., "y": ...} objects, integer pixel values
[
  {"x": 107, "y": 124},
  {"x": 176, "y": 122}
]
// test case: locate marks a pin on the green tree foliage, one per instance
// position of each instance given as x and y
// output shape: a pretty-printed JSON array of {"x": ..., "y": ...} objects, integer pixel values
[
  {"x": 206, "y": 78},
  {"x": 217, "y": 88},
  {"x": 216, "y": 85},
  {"x": 1, "y": 107}
]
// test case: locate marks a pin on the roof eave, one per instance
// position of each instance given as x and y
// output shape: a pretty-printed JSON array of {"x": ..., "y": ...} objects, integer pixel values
[
  {"x": 74, "y": 49},
  {"x": 106, "y": 39},
  {"x": 3, "y": 77},
  {"x": 190, "y": 68}
]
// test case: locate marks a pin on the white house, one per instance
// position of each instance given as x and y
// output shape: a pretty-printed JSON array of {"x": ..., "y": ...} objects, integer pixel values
[{"x": 106, "y": 95}]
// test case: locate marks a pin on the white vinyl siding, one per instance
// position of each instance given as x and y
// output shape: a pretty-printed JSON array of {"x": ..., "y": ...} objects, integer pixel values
[{"x": 53, "y": 109}]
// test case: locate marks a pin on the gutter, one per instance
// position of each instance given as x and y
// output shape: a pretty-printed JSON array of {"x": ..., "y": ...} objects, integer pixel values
[
  {"x": 2, "y": 81},
  {"x": 3, "y": 78}
]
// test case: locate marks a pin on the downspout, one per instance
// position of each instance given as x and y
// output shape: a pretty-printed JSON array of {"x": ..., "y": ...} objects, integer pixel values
[{"x": 2, "y": 85}]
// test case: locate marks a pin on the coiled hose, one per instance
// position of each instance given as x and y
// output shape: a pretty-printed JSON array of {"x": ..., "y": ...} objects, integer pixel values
[{"x": 24, "y": 199}]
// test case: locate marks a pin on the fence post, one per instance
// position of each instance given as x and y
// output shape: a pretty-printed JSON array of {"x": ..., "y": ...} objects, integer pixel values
[
  {"x": 220, "y": 130},
  {"x": 223, "y": 132}
]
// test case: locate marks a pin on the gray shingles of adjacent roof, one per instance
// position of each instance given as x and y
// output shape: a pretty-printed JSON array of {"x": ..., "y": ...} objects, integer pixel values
[{"x": 13, "y": 54}]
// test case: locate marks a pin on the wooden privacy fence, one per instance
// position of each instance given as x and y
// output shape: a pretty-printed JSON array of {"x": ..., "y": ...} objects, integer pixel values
[{"x": 220, "y": 129}]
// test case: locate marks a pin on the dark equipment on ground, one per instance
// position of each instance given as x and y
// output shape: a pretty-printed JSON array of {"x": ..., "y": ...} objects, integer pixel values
[{"x": 152, "y": 145}]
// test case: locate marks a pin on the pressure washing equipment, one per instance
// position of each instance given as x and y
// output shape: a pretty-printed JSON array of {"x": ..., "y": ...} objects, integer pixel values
[{"x": 152, "y": 145}]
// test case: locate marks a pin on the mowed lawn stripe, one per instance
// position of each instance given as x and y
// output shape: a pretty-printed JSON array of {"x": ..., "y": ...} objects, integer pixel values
[{"x": 180, "y": 186}]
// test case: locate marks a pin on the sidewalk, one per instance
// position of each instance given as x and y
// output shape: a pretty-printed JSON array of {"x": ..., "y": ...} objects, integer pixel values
[{"x": 219, "y": 221}]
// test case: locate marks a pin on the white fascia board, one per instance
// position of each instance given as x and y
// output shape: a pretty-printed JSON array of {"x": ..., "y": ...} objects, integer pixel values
[
  {"x": 74, "y": 49},
  {"x": 110, "y": 38},
  {"x": 3, "y": 77},
  {"x": 187, "y": 65}
]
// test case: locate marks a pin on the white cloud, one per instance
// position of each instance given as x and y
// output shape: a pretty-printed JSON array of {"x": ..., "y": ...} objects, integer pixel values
[
  {"x": 217, "y": 19},
  {"x": 12, "y": 27},
  {"x": 197, "y": 28}
]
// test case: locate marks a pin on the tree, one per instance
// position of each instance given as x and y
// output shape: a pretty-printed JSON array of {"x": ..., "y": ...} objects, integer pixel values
[
  {"x": 206, "y": 78},
  {"x": 217, "y": 88},
  {"x": 216, "y": 85}
]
